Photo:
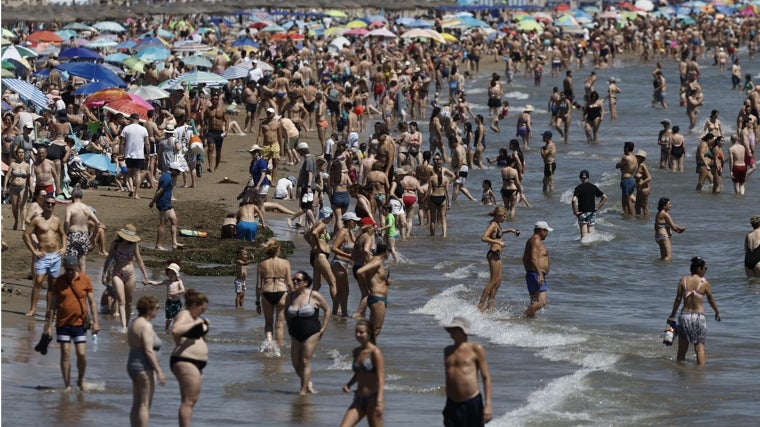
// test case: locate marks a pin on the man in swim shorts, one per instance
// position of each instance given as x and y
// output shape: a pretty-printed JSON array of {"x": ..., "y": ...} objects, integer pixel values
[
  {"x": 536, "y": 263},
  {"x": 462, "y": 362},
  {"x": 77, "y": 228},
  {"x": 50, "y": 246},
  {"x": 628, "y": 166}
]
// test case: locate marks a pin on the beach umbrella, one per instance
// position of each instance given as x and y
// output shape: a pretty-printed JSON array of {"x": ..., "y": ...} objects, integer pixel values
[
  {"x": 335, "y": 31},
  {"x": 92, "y": 87},
  {"x": 129, "y": 44},
  {"x": 190, "y": 46},
  {"x": 245, "y": 42},
  {"x": 566, "y": 21},
  {"x": 79, "y": 53},
  {"x": 66, "y": 34},
  {"x": 21, "y": 51},
  {"x": 194, "y": 79},
  {"x": 9, "y": 34},
  {"x": 151, "y": 92},
  {"x": 529, "y": 25},
  {"x": 197, "y": 61},
  {"x": 153, "y": 54},
  {"x": 150, "y": 41},
  {"x": 98, "y": 161},
  {"x": 273, "y": 29},
  {"x": 109, "y": 27},
  {"x": 423, "y": 33},
  {"x": 357, "y": 32},
  {"x": 78, "y": 26},
  {"x": 382, "y": 32},
  {"x": 334, "y": 13},
  {"x": 105, "y": 96},
  {"x": 471, "y": 22},
  {"x": 45, "y": 36},
  {"x": 116, "y": 58},
  {"x": 591, "y": 9},
  {"x": 419, "y": 23},
  {"x": 291, "y": 36},
  {"x": 356, "y": 23},
  {"x": 27, "y": 92},
  {"x": 135, "y": 64},
  {"x": 562, "y": 7},
  {"x": 235, "y": 72},
  {"x": 450, "y": 37},
  {"x": 7, "y": 74},
  {"x": 127, "y": 107},
  {"x": 137, "y": 99},
  {"x": 92, "y": 71},
  {"x": 100, "y": 43},
  {"x": 5, "y": 42},
  {"x": 687, "y": 20},
  {"x": 340, "y": 41},
  {"x": 609, "y": 14},
  {"x": 645, "y": 5},
  {"x": 543, "y": 17}
]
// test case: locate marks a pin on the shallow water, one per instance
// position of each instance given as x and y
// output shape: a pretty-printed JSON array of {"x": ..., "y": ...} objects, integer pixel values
[{"x": 593, "y": 357}]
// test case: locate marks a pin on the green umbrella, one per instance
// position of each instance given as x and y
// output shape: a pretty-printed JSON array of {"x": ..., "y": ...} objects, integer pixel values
[
  {"x": 8, "y": 65},
  {"x": 135, "y": 64},
  {"x": 529, "y": 25},
  {"x": 7, "y": 74},
  {"x": 24, "y": 52}
]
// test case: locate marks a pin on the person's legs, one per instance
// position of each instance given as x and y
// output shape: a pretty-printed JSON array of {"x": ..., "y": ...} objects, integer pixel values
[
  {"x": 322, "y": 264},
  {"x": 538, "y": 300},
  {"x": 171, "y": 216},
  {"x": 279, "y": 328},
  {"x": 210, "y": 153},
  {"x": 377, "y": 316},
  {"x": 36, "y": 288},
  {"x": 162, "y": 219},
  {"x": 118, "y": 287},
  {"x": 352, "y": 416},
  {"x": 308, "y": 351},
  {"x": 81, "y": 350},
  {"x": 683, "y": 347},
  {"x": 494, "y": 267},
  {"x": 341, "y": 289},
  {"x": 190, "y": 382},
  {"x": 65, "y": 364},
  {"x": 296, "y": 348},
  {"x": 141, "y": 399},
  {"x": 699, "y": 349}
]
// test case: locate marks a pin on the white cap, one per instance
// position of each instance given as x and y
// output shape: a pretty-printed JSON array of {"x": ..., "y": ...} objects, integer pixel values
[
  {"x": 543, "y": 226},
  {"x": 459, "y": 322},
  {"x": 270, "y": 110}
]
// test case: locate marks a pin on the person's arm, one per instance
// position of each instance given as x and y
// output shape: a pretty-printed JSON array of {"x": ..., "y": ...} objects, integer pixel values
[
  {"x": 184, "y": 322},
  {"x": 485, "y": 374},
  {"x": 259, "y": 283},
  {"x": 602, "y": 200},
  {"x": 159, "y": 193},
  {"x": 574, "y": 205},
  {"x": 379, "y": 363},
  {"x": 711, "y": 300},
  {"x": 487, "y": 236},
  {"x": 677, "y": 301},
  {"x": 260, "y": 213},
  {"x": 326, "y": 317},
  {"x": 50, "y": 311},
  {"x": 62, "y": 235},
  {"x": 147, "y": 345},
  {"x": 140, "y": 264},
  {"x": 93, "y": 312},
  {"x": 672, "y": 224},
  {"x": 352, "y": 381}
]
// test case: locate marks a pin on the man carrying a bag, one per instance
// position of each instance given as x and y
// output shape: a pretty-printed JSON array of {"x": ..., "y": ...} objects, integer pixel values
[{"x": 66, "y": 303}]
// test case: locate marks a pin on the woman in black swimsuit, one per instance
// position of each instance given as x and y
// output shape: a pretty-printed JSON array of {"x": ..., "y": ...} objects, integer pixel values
[
  {"x": 438, "y": 195},
  {"x": 492, "y": 236},
  {"x": 272, "y": 283},
  {"x": 304, "y": 326},
  {"x": 191, "y": 352},
  {"x": 593, "y": 114}
]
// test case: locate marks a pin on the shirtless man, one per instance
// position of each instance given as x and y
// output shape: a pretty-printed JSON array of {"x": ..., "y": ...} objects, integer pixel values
[
  {"x": 361, "y": 254},
  {"x": 459, "y": 164},
  {"x": 378, "y": 280},
  {"x": 270, "y": 139},
  {"x": 463, "y": 361},
  {"x": 154, "y": 136},
  {"x": 549, "y": 155},
  {"x": 386, "y": 152},
  {"x": 51, "y": 238},
  {"x": 436, "y": 133},
  {"x": 627, "y": 165},
  {"x": 215, "y": 122},
  {"x": 76, "y": 225},
  {"x": 738, "y": 167},
  {"x": 251, "y": 100},
  {"x": 44, "y": 175},
  {"x": 536, "y": 264}
]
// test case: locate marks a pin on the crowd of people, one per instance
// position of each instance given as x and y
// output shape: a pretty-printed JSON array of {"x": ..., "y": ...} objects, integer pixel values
[{"x": 360, "y": 194}]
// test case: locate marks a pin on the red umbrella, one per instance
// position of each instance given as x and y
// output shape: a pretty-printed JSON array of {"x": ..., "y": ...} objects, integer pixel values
[
  {"x": 257, "y": 25},
  {"x": 45, "y": 36},
  {"x": 127, "y": 107},
  {"x": 102, "y": 97},
  {"x": 284, "y": 36},
  {"x": 562, "y": 7}
]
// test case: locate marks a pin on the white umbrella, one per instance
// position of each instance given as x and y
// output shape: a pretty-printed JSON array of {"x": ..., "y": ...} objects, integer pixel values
[
  {"x": 381, "y": 32},
  {"x": 110, "y": 27},
  {"x": 645, "y": 5},
  {"x": 150, "y": 92},
  {"x": 235, "y": 72},
  {"x": 340, "y": 41}
]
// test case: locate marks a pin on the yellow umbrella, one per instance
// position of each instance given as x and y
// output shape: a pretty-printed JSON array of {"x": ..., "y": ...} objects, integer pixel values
[
  {"x": 334, "y": 31},
  {"x": 449, "y": 37},
  {"x": 356, "y": 24},
  {"x": 336, "y": 13}
]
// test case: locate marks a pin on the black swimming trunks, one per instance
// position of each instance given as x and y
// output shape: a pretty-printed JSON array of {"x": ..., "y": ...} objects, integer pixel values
[{"x": 468, "y": 413}]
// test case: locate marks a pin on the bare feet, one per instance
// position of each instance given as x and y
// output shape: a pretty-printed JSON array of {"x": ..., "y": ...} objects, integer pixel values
[
  {"x": 178, "y": 246},
  {"x": 30, "y": 313},
  {"x": 161, "y": 248}
]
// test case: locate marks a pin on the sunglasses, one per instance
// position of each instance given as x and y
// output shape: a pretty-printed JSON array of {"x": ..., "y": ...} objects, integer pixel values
[
  {"x": 297, "y": 280},
  {"x": 50, "y": 203}
]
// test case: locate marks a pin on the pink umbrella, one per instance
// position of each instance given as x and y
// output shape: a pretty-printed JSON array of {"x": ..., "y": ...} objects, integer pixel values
[
  {"x": 356, "y": 32},
  {"x": 138, "y": 100}
]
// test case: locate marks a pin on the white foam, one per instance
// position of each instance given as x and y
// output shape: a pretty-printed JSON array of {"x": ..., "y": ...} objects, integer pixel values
[
  {"x": 516, "y": 95},
  {"x": 597, "y": 236},
  {"x": 461, "y": 272},
  {"x": 340, "y": 361}
]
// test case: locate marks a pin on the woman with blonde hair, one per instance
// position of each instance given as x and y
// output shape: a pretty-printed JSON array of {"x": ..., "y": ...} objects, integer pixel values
[
  {"x": 493, "y": 236},
  {"x": 273, "y": 283}
]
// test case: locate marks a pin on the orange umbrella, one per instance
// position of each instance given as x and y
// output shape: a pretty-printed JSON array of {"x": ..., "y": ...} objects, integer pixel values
[
  {"x": 102, "y": 97},
  {"x": 291, "y": 36},
  {"x": 45, "y": 36}
]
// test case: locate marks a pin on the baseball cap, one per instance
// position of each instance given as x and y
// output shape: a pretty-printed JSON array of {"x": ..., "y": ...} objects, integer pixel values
[
  {"x": 547, "y": 134},
  {"x": 367, "y": 220},
  {"x": 350, "y": 216},
  {"x": 302, "y": 146},
  {"x": 542, "y": 225},
  {"x": 29, "y": 125},
  {"x": 584, "y": 174},
  {"x": 459, "y": 322}
]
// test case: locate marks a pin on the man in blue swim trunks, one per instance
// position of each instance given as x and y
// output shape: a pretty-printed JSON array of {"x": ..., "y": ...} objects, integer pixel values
[
  {"x": 463, "y": 360},
  {"x": 628, "y": 166},
  {"x": 50, "y": 245},
  {"x": 536, "y": 263}
]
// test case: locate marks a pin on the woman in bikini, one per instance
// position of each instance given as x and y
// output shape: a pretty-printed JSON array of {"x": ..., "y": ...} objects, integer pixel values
[
  {"x": 340, "y": 199},
  {"x": 304, "y": 326},
  {"x": 612, "y": 91},
  {"x": 343, "y": 244},
  {"x": 493, "y": 236},
  {"x": 415, "y": 142},
  {"x": 319, "y": 239},
  {"x": 17, "y": 186},
  {"x": 692, "y": 326},
  {"x": 643, "y": 177},
  {"x": 369, "y": 377},
  {"x": 664, "y": 227},
  {"x": 123, "y": 250},
  {"x": 190, "y": 353},
  {"x": 511, "y": 186},
  {"x": 438, "y": 196},
  {"x": 273, "y": 283},
  {"x": 713, "y": 124}
]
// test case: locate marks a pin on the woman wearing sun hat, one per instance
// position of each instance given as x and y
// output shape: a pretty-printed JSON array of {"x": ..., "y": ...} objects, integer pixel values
[{"x": 123, "y": 250}]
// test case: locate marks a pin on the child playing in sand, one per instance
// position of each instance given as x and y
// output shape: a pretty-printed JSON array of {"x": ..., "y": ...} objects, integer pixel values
[
  {"x": 241, "y": 274},
  {"x": 174, "y": 291}
]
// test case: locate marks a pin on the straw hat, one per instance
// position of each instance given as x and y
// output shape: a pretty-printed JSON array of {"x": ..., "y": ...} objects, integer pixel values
[
  {"x": 129, "y": 233},
  {"x": 642, "y": 154},
  {"x": 173, "y": 267},
  {"x": 528, "y": 109}
]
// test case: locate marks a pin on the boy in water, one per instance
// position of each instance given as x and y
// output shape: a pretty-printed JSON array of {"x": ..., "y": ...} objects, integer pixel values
[
  {"x": 241, "y": 275},
  {"x": 174, "y": 291}
]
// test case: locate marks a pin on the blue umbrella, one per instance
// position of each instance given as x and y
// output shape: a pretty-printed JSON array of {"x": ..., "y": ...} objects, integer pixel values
[
  {"x": 92, "y": 87},
  {"x": 91, "y": 71},
  {"x": 150, "y": 41},
  {"x": 197, "y": 61},
  {"x": 235, "y": 72},
  {"x": 27, "y": 92},
  {"x": 218, "y": 21},
  {"x": 194, "y": 78},
  {"x": 245, "y": 42},
  {"x": 419, "y": 23},
  {"x": 79, "y": 53},
  {"x": 116, "y": 58},
  {"x": 153, "y": 54},
  {"x": 166, "y": 35},
  {"x": 129, "y": 44},
  {"x": 99, "y": 161}
]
